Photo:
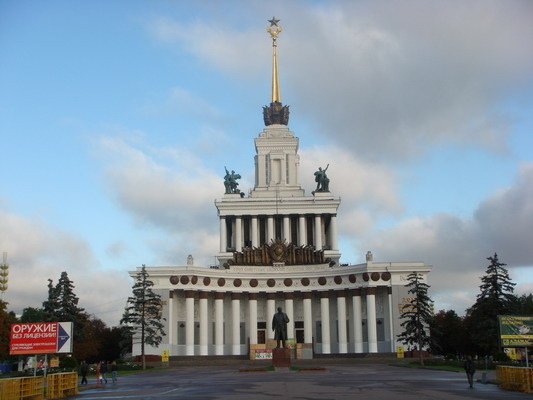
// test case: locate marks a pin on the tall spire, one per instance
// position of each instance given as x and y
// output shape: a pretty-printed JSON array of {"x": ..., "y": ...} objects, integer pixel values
[
  {"x": 276, "y": 113},
  {"x": 274, "y": 29}
]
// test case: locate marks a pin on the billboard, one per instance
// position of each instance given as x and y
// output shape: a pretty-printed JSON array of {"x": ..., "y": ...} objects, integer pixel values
[
  {"x": 41, "y": 338},
  {"x": 516, "y": 331}
]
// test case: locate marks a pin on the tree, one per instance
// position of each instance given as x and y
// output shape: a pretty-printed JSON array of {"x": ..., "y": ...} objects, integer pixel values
[
  {"x": 116, "y": 343},
  {"x": 6, "y": 319},
  {"x": 447, "y": 333},
  {"x": 32, "y": 314},
  {"x": 416, "y": 315},
  {"x": 495, "y": 298},
  {"x": 51, "y": 304},
  {"x": 62, "y": 306},
  {"x": 90, "y": 346},
  {"x": 143, "y": 312},
  {"x": 525, "y": 304}
]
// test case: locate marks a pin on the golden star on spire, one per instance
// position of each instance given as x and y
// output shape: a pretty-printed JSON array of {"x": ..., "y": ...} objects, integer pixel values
[{"x": 274, "y": 29}]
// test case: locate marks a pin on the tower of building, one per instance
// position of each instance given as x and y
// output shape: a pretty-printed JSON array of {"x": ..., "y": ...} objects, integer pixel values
[{"x": 277, "y": 209}]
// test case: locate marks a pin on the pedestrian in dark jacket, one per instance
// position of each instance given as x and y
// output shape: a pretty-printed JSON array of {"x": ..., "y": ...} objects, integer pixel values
[
  {"x": 84, "y": 370},
  {"x": 103, "y": 370},
  {"x": 470, "y": 369}
]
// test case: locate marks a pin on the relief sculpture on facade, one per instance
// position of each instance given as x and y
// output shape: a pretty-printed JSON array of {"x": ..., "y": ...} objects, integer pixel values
[{"x": 277, "y": 252}]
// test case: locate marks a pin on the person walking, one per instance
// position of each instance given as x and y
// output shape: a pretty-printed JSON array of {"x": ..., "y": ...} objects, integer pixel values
[
  {"x": 103, "y": 370},
  {"x": 114, "y": 371},
  {"x": 470, "y": 369},
  {"x": 84, "y": 370},
  {"x": 98, "y": 372}
]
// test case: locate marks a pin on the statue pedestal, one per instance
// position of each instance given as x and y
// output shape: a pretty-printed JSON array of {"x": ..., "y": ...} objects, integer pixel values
[{"x": 281, "y": 357}]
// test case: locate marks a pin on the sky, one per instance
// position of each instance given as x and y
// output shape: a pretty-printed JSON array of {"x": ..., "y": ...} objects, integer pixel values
[{"x": 117, "y": 119}]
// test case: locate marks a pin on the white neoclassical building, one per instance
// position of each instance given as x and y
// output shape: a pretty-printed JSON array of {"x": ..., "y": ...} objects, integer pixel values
[{"x": 279, "y": 248}]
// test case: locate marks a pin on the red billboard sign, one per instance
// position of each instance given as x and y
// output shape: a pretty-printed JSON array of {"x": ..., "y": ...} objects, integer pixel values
[{"x": 41, "y": 338}]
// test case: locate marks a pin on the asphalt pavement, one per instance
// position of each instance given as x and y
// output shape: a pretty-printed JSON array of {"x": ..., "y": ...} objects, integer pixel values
[{"x": 324, "y": 380}]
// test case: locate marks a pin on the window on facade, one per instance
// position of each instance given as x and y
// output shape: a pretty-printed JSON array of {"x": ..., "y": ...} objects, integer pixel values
[
  {"x": 380, "y": 329},
  {"x": 243, "y": 332},
  {"x": 318, "y": 331},
  {"x": 181, "y": 332}
]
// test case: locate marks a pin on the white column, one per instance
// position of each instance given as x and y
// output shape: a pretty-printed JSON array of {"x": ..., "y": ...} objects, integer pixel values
[
  {"x": 252, "y": 303},
  {"x": 238, "y": 234},
  {"x": 236, "y": 323},
  {"x": 308, "y": 318},
  {"x": 189, "y": 324},
  {"x": 287, "y": 228},
  {"x": 357, "y": 321},
  {"x": 318, "y": 232},
  {"x": 255, "y": 236},
  {"x": 341, "y": 324},
  {"x": 289, "y": 310},
  {"x": 203, "y": 323},
  {"x": 171, "y": 321},
  {"x": 371, "y": 320},
  {"x": 333, "y": 233},
  {"x": 271, "y": 310},
  {"x": 219, "y": 324},
  {"x": 302, "y": 231},
  {"x": 324, "y": 315},
  {"x": 270, "y": 228},
  {"x": 223, "y": 234}
]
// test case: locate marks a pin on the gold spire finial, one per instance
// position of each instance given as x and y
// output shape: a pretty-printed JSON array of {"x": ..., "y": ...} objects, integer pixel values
[{"x": 274, "y": 30}]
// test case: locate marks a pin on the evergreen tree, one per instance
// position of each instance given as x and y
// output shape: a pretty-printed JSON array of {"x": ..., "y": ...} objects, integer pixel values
[
  {"x": 51, "y": 304},
  {"x": 416, "y": 315},
  {"x": 68, "y": 301},
  {"x": 32, "y": 314},
  {"x": 143, "y": 312},
  {"x": 525, "y": 304},
  {"x": 447, "y": 333},
  {"x": 496, "y": 298},
  {"x": 62, "y": 306}
]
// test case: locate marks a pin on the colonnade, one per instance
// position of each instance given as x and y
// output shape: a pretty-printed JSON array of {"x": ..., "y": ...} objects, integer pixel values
[
  {"x": 319, "y": 230},
  {"x": 341, "y": 297}
]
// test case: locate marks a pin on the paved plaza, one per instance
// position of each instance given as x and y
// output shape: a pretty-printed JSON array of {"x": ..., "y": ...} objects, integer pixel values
[{"x": 337, "y": 381}]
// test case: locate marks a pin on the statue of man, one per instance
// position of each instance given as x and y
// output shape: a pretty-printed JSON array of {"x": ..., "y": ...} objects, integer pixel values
[
  {"x": 279, "y": 326},
  {"x": 322, "y": 180}
]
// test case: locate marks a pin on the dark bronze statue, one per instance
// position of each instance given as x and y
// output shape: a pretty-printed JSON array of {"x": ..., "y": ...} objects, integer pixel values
[
  {"x": 322, "y": 180},
  {"x": 230, "y": 182},
  {"x": 279, "y": 326}
]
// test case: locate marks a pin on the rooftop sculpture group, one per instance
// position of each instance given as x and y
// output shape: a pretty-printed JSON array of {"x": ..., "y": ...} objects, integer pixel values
[
  {"x": 230, "y": 182},
  {"x": 322, "y": 180}
]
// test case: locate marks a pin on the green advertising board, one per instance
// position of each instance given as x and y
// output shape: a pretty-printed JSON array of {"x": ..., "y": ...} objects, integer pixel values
[{"x": 516, "y": 331}]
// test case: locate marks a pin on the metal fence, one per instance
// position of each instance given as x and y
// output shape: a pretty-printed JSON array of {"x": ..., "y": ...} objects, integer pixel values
[
  {"x": 57, "y": 386},
  {"x": 519, "y": 379}
]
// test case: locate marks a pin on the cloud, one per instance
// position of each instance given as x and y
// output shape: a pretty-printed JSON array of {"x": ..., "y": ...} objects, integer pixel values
[
  {"x": 38, "y": 251},
  {"x": 226, "y": 48},
  {"x": 367, "y": 190},
  {"x": 390, "y": 78},
  {"x": 180, "y": 101},
  {"x": 169, "y": 189},
  {"x": 505, "y": 219},
  {"x": 458, "y": 247}
]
